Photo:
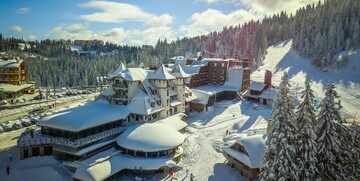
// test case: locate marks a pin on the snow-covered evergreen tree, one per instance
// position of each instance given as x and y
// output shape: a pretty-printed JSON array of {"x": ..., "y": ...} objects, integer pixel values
[
  {"x": 329, "y": 160},
  {"x": 280, "y": 154},
  {"x": 306, "y": 137}
]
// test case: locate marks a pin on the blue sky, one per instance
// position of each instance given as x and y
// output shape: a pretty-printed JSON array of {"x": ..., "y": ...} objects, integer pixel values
[{"x": 134, "y": 22}]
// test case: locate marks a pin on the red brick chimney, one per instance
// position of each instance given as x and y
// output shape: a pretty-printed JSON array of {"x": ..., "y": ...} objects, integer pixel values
[
  {"x": 245, "y": 63},
  {"x": 267, "y": 80}
]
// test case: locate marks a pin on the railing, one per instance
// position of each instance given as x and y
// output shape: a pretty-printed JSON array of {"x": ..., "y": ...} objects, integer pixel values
[
  {"x": 67, "y": 142},
  {"x": 122, "y": 86},
  {"x": 121, "y": 97}
]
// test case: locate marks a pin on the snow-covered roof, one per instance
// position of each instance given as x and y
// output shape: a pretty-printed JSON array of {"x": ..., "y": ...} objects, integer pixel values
[
  {"x": 191, "y": 70},
  {"x": 204, "y": 92},
  {"x": 107, "y": 92},
  {"x": 202, "y": 97},
  {"x": 255, "y": 147},
  {"x": 189, "y": 97},
  {"x": 150, "y": 137},
  {"x": 178, "y": 72},
  {"x": 134, "y": 74},
  {"x": 14, "y": 88},
  {"x": 104, "y": 167},
  {"x": 270, "y": 93},
  {"x": 90, "y": 115},
  {"x": 161, "y": 74},
  {"x": 257, "y": 86},
  {"x": 174, "y": 121},
  {"x": 120, "y": 68},
  {"x": 199, "y": 63},
  {"x": 141, "y": 104},
  {"x": 5, "y": 64}
]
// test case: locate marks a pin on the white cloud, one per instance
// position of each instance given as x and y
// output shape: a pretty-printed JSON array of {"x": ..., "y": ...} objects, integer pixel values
[
  {"x": 162, "y": 20},
  {"x": 115, "y": 35},
  {"x": 32, "y": 37},
  {"x": 16, "y": 28},
  {"x": 23, "y": 10},
  {"x": 268, "y": 7},
  {"x": 74, "y": 31},
  {"x": 113, "y": 12},
  {"x": 209, "y": 1},
  {"x": 214, "y": 20}
]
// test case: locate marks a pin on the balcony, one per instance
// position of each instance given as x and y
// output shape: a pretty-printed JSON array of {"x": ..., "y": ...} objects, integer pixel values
[
  {"x": 27, "y": 141},
  {"x": 120, "y": 86},
  {"x": 123, "y": 98}
]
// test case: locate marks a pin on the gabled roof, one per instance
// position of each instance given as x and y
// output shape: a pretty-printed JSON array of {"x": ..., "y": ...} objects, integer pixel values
[
  {"x": 141, "y": 104},
  {"x": 161, "y": 74},
  {"x": 255, "y": 148},
  {"x": 257, "y": 86},
  {"x": 178, "y": 72},
  {"x": 270, "y": 93},
  {"x": 134, "y": 74}
]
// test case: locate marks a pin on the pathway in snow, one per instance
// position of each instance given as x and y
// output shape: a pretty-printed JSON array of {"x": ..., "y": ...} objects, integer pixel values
[{"x": 203, "y": 147}]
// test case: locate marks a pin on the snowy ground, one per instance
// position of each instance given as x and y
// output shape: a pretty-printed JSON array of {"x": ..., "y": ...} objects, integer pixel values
[{"x": 281, "y": 57}]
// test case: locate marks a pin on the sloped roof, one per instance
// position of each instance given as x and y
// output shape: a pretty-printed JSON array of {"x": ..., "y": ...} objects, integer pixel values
[
  {"x": 102, "y": 167},
  {"x": 141, "y": 104},
  {"x": 150, "y": 137},
  {"x": 134, "y": 74},
  {"x": 178, "y": 72},
  {"x": 255, "y": 147},
  {"x": 10, "y": 63},
  {"x": 107, "y": 92},
  {"x": 257, "y": 86},
  {"x": 174, "y": 121},
  {"x": 161, "y": 74},
  {"x": 119, "y": 69},
  {"x": 90, "y": 115},
  {"x": 270, "y": 93}
]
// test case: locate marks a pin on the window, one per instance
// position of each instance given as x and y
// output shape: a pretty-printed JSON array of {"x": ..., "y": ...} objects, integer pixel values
[
  {"x": 152, "y": 154},
  {"x": 153, "y": 104},
  {"x": 140, "y": 154},
  {"x": 163, "y": 153}
]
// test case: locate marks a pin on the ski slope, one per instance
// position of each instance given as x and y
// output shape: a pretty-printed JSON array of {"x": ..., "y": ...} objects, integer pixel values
[{"x": 281, "y": 57}]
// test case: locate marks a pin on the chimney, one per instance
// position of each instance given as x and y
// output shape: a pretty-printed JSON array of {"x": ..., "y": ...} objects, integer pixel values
[
  {"x": 245, "y": 63},
  {"x": 267, "y": 80}
]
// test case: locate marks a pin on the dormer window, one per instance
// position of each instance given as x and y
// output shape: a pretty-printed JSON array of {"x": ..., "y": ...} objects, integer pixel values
[{"x": 153, "y": 104}]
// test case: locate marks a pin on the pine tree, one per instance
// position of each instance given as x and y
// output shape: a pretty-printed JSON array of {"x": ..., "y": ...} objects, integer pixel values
[
  {"x": 306, "y": 138},
  {"x": 280, "y": 154},
  {"x": 329, "y": 161}
]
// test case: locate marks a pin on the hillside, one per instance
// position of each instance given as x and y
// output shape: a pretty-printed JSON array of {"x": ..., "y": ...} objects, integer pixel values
[{"x": 281, "y": 57}]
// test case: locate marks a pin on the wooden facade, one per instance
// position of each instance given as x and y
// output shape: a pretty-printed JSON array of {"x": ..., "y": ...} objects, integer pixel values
[{"x": 13, "y": 75}]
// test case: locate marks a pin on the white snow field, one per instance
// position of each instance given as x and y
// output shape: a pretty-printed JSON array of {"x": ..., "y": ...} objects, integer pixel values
[{"x": 281, "y": 57}]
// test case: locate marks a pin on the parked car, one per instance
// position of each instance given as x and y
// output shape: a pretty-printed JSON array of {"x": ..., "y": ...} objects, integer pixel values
[
  {"x": 35, "y": 119},
  {"x": 37, "y": 111},
  {"x": 3, "y": 102},
  {"x": 17, "y": 125},
  {"x": 26, "y": 122},
  {"x": 8, "y": 127}
]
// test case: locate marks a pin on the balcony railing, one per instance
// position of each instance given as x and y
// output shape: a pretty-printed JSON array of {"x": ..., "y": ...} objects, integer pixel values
[
  {"x": 120, "y": 86},
  {"x": 64, "y": 142}
]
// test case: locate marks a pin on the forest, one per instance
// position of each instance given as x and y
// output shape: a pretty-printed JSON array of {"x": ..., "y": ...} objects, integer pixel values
[{"x": 318, "y": 31}]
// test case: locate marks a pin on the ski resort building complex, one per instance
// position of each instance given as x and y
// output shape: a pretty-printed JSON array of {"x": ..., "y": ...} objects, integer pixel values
[{"x": 137, "y": 122}]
